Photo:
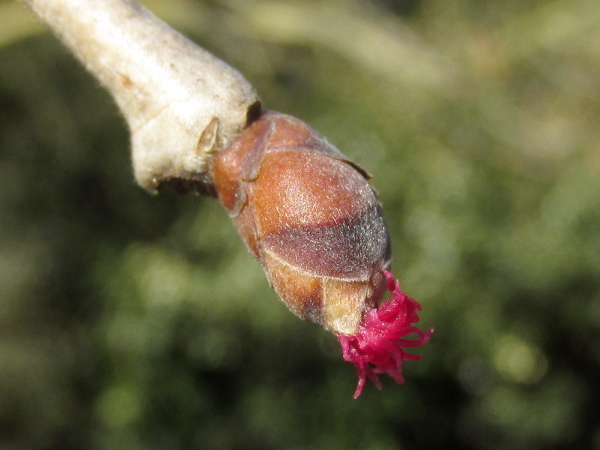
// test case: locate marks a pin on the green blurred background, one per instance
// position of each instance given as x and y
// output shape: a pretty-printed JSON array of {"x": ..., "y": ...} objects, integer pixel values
[{"x": 129, "y": 321}]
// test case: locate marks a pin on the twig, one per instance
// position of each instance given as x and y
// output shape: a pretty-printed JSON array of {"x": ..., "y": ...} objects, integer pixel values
[{"x": 181, "y": 102}]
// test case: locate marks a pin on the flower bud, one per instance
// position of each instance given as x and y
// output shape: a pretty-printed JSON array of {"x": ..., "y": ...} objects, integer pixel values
[{"x": 314, "y": 223}]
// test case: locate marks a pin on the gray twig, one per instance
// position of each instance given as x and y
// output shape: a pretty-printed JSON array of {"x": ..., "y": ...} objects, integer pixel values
[{"x": 181, "y": 102}]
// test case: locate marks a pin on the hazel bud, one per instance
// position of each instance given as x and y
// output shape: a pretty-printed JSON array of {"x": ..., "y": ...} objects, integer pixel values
[{"x": 311, "y": 219}]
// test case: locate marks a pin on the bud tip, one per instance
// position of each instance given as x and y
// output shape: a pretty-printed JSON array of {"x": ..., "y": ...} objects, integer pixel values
[{"x": 377, "y": 347}]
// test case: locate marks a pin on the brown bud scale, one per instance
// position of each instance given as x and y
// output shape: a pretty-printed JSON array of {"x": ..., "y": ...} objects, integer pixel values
[{"x": 309, "y": 216}]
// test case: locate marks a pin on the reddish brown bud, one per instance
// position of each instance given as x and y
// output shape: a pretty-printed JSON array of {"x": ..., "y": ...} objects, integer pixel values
[
  {"x": 310, "y": 218},
  {"x": 314, "y": 223}
]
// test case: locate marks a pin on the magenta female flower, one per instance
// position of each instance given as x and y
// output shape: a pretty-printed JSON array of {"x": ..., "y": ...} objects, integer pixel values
[
  {"x": 377, "y": 346},
  {"x": 311, "y": 219}
]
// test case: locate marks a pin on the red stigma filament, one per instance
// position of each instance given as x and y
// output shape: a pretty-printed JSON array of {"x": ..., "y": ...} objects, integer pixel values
[{"x": 378, "y": 346}]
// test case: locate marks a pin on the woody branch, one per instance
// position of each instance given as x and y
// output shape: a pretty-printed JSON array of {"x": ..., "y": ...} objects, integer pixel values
[{"x": 181, "y": 103}]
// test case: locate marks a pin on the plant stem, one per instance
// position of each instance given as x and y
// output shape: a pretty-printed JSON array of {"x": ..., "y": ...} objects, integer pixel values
[{"x": 181, "y": 103}]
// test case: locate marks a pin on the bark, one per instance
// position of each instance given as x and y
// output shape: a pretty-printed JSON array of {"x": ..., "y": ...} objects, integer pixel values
[{"x": 181, "y": 103}]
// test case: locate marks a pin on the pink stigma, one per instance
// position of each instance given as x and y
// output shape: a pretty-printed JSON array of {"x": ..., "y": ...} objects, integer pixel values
[{"x": 378, "y": 346}]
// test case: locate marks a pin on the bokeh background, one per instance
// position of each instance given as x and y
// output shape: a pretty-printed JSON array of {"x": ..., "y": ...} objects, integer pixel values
[{"x": 129, "y": 321}]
